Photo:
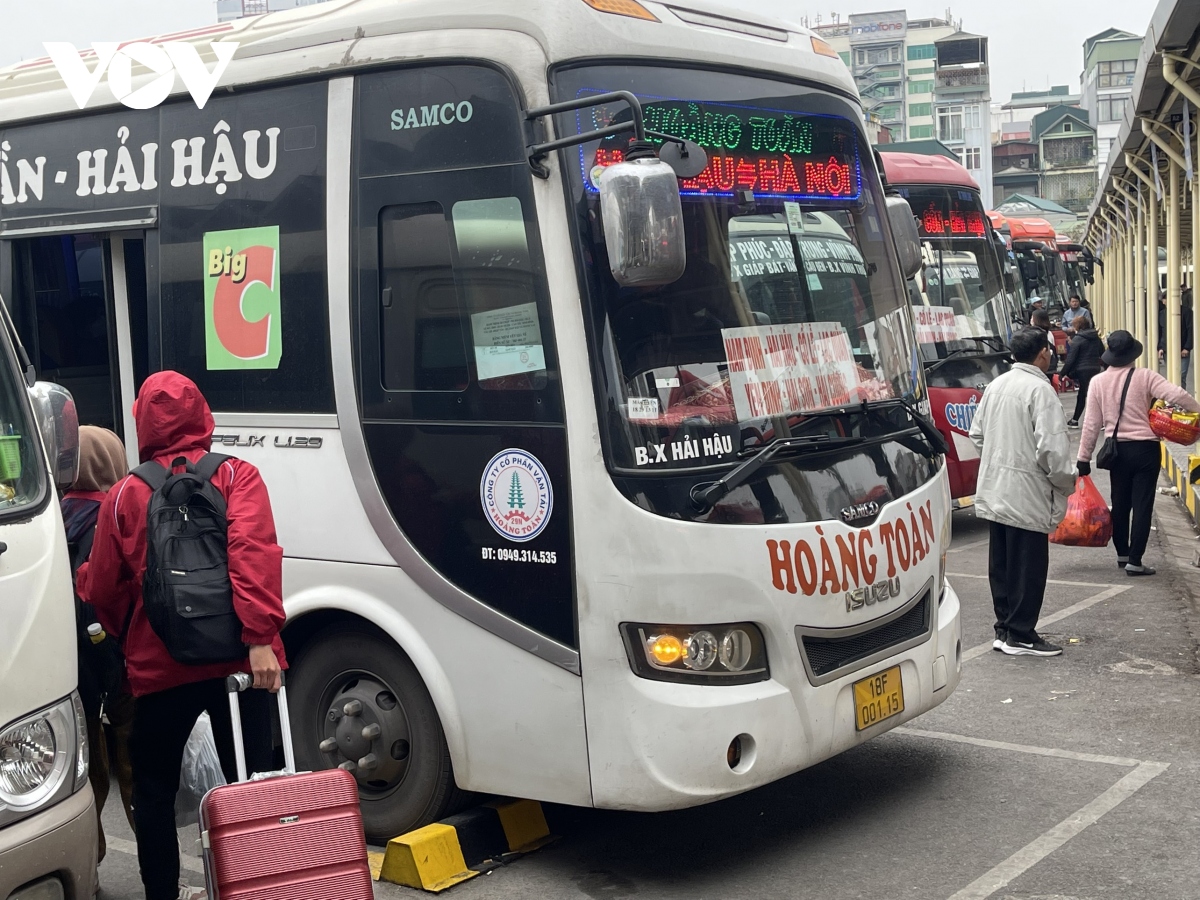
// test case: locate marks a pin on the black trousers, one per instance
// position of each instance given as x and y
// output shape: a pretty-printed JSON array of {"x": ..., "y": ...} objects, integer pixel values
[
  {"x": 1085, "y": 379},
  {"x": 1018, "y": 561},
  {"x": 161, "y": 724},
  {"x": 1133, "y": 479}
]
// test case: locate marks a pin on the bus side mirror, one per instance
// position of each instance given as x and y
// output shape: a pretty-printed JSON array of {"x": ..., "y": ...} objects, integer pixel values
[
  {"x": 643, "y": 220},
  {"x": 905, "y": 234},
  {"x": 58, "y": 421}
]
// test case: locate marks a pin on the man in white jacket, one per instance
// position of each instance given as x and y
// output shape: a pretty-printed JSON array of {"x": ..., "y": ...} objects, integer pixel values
[{"x": 1026, "y": 474}]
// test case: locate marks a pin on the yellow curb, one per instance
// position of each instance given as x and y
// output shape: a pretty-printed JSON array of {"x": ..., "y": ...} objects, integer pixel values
[
  {"x": 429, "y": 859},
  {"x": 375, "y": 863},
  {"x": 523, "y": 822}
]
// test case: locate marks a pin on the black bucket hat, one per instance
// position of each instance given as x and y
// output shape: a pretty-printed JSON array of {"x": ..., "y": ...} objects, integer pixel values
[{"x": 1123, "y": 348}]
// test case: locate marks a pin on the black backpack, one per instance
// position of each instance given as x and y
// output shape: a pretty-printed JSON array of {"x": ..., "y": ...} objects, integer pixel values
[{"x": 186, "y": 593}]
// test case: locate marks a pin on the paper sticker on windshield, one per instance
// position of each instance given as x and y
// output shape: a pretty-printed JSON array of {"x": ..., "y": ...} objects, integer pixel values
[
  {"x": 935, "y": 324},
  {"x": 795, "y": 216},
  {"x": 643, "y": 408},
  {"x": 781, "y": 370},
  {"x": 242, "y": 306},
  {"x": 508, "y": 341}
]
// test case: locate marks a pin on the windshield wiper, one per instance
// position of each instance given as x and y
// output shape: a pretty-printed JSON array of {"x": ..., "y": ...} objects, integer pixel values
[
  {"x": 992, "y": 340},
  {"x": 936, "y": 440},
  {"x": 937, "y": 364},
  {"x": 706, "y": 496}
]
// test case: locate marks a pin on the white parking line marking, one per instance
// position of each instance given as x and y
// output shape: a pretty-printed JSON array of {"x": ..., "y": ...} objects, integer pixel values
[
  {"x": 1125, "y": 761},
  {"x": 1046, "y": 843},
  {"x": 1048, "y": 581},
  {"x": 130, "y": 848},
  {"x": 968, "y": 546},
  {"x": 981, "y": 649}
]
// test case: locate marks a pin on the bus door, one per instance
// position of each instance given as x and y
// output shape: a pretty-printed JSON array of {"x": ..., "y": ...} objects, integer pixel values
[
  {"x": 459, "y": 377},
  {"x": 80, "y": 306}
]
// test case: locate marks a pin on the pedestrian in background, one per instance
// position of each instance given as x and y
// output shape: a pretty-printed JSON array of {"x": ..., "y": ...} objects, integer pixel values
[
  {"x": 1073, "y": 311},
  {"x": 1025, "y": 477},
  {"x": 107, "y": 703},
  {"x": 174, "y": 421},
  {"x": 1041, "y": 321},
  {"x": 1119, "y": 407},
  {"x": 1185, "y": 333},
  {"x": 1083, "y": 362}
]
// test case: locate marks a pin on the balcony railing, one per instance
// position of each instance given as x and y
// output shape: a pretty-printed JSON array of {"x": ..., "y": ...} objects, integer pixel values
[{"x": 949, "y": 79}]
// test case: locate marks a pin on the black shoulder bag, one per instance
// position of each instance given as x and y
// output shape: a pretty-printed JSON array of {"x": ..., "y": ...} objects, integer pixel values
[{"x": 1107, "y": 457}]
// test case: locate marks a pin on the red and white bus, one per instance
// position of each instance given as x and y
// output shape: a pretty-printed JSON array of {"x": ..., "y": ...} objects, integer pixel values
[{"x": 964, "y": 311}]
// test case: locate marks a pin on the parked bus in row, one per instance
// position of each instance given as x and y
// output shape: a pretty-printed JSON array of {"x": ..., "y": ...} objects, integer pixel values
[
  {"x": 578, "y": 503},
  {"x": 965, "y": 313},
  {"x": 1077, "y": 264},
  {"x": 1014, "y": 285}
]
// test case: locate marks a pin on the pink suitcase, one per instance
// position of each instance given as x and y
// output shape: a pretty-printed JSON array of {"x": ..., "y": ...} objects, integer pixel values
[{"x": 284, "y": 837}]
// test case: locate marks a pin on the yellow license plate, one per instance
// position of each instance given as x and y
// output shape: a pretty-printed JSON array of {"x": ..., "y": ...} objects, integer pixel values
[{"x": 877, "y": 698}]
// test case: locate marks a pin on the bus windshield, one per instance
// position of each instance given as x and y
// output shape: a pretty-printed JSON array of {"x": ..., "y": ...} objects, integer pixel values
[
  {"x": 1043, "y": 275},
  {"x": 790, "y": 303},
  {"x": 21, "y": 477},
  {"x": 959, "y": 294}
]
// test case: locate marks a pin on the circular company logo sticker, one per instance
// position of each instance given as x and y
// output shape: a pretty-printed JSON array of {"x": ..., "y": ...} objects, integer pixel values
[{"x": 516, "y": 495}]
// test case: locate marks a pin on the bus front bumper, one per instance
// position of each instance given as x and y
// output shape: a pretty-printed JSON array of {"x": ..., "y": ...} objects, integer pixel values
[
  {"x": 52, "y": 854},
  {"x": 674, "y": 740}
]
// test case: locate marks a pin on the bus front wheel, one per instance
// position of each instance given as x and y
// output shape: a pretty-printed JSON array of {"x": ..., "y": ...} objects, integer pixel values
[{"x": 359, "y": 703}]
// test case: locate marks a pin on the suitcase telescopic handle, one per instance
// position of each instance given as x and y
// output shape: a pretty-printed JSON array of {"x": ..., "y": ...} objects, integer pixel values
[{"x": 237, "y": 683}]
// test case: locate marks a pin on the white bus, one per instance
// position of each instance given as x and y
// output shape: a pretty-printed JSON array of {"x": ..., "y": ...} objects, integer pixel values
[
  {"x": 47, "y": 810},
  {"x": 546, "y": 535}
]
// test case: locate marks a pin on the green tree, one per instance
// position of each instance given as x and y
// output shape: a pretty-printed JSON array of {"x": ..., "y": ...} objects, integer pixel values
[{"x": 516, "y": 498}]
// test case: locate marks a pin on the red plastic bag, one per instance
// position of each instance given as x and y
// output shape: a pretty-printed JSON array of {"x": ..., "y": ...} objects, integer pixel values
[{"x": 1088, "y": 522}]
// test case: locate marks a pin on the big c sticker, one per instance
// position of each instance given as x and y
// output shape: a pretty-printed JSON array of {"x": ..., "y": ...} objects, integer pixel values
[{"x": 242, "y": 309}]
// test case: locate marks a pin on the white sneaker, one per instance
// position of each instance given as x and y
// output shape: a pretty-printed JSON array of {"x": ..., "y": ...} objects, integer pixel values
[{"x": 187, "y": 892}]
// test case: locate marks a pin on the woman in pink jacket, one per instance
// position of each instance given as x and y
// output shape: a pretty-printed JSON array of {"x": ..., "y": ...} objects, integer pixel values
[{"x": 1135, "y": 472}]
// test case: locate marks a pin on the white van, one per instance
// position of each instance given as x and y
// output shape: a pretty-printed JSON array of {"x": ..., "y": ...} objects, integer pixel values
[{"x": 47, "y": 812}]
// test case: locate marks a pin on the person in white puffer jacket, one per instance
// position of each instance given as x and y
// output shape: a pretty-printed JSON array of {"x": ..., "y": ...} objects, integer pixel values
[{"x": 1026, "y": 474}]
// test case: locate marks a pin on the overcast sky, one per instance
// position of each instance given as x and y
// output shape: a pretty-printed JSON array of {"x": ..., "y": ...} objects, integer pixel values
[{"x": 1033, "y": 43}]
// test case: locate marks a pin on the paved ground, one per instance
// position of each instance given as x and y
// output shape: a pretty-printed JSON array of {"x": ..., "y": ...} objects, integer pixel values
[{"x": 1075, "y": 778}]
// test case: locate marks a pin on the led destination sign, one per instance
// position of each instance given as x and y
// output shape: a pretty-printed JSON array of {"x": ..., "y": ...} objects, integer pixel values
[
  {"x": 768, "y": 152},
  {"x": 946, "y": 212}
]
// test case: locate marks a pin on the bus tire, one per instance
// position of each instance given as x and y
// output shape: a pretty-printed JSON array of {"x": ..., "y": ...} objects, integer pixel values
[{"x": 358, "y": 689}]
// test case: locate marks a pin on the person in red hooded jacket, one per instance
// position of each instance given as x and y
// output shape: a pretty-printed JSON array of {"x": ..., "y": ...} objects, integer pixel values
[{"x": 173, "y": 420}]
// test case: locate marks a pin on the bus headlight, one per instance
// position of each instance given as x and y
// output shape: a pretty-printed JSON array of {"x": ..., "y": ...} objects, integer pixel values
[
  {"x": 43, "y": 759},
  {"x": 697, "y": 654}
]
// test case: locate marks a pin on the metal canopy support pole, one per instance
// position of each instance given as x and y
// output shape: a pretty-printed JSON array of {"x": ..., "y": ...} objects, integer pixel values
[
  {"x": 1150, "y": 310},
  {"x": 1148, "y": 264},
  {"x": 1116, "y": 275},
  {"x": 1195, "y": 242},
  {"x": 1139, "y": 286},
  {"x": 1174, "y": 248},
  {"x": 1133, "y": 279}
]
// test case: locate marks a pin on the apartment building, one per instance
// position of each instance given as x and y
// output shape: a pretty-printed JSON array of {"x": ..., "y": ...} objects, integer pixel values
[
  {"x": 1109, "y": 62},
  {"x": 923, "y": 79}
]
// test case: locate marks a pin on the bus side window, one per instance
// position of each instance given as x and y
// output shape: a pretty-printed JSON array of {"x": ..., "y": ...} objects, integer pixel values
[
  {"x": 422, "y": 346},
  {"x": 497, "y": 280}
]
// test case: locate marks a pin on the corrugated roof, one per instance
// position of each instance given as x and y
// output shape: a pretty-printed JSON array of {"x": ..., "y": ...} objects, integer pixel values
[{"x": 1046, "y": 206}]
